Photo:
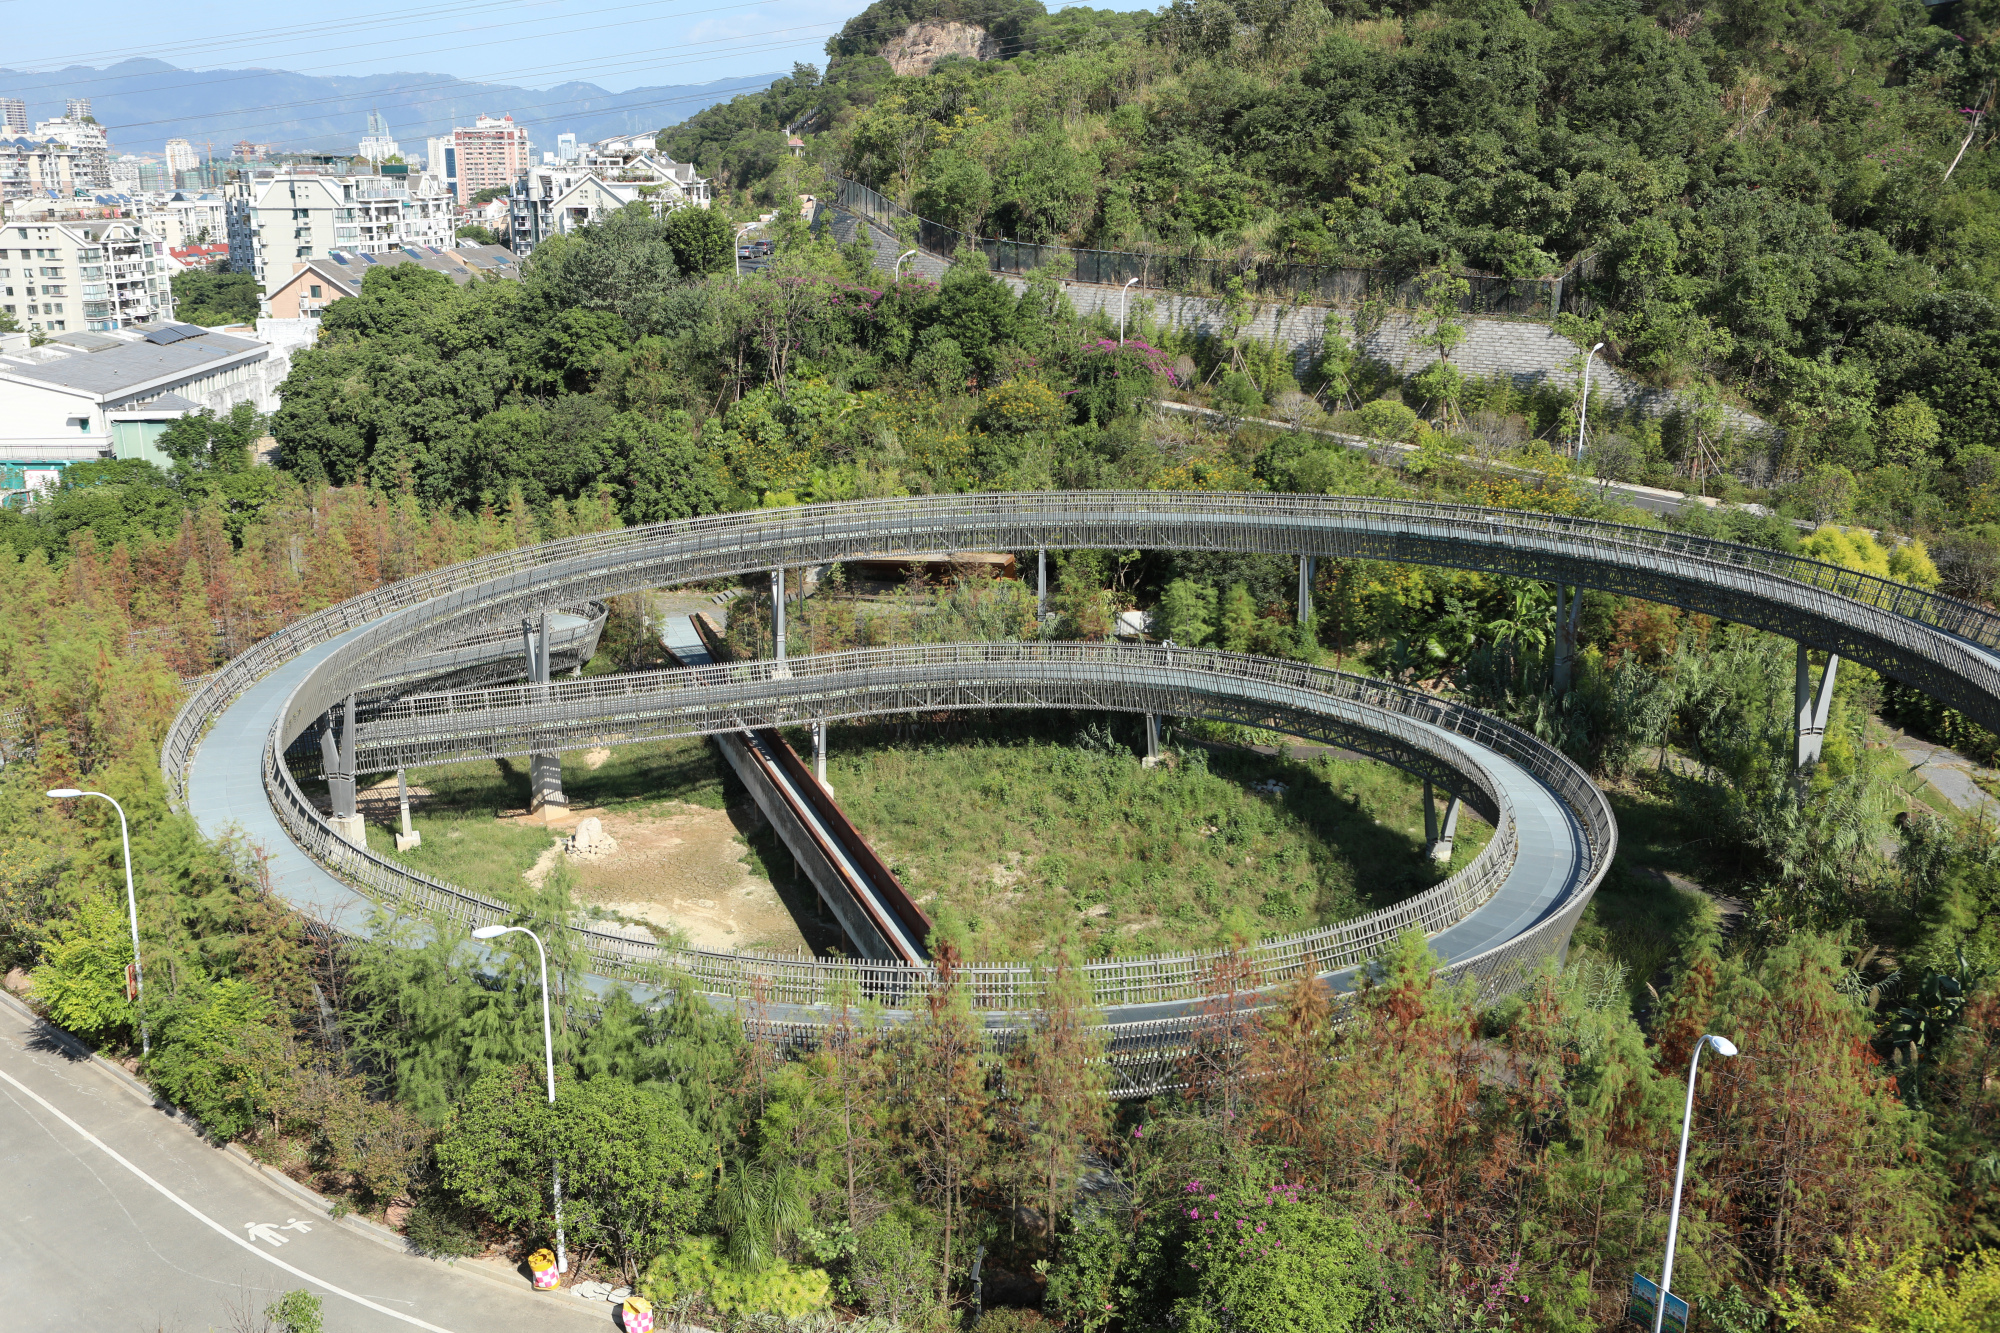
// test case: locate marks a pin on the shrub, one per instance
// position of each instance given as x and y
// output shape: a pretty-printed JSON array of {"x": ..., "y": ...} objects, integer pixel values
[
  {"x": 697, "y": 1265},
  {"x": 1270, "y": 1261},
  {"x": 219, "y": 1055},
  {"x": 1384, "y": 420},
  {"x": 441, "y": 1228},
  {"x": 81, "y": 980},
  {"x": 296, "y": 1312}
]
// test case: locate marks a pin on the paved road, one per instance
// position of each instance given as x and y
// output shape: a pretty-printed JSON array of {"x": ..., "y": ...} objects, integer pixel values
[{"x": 113, "y": 1216}]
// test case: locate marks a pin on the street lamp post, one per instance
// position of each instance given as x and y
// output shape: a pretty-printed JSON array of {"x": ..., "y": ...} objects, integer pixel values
[
  {"x": 131, "y": 903},
  {"x": 896, "y": 273},
  {"x": 739, "y": 246},
  {"x": 548, "y": 1053},
  {"x": 1122, "y": 293},
  {"x": 1721, "y": 1046},
  {"x": 1583, "y": 402}
]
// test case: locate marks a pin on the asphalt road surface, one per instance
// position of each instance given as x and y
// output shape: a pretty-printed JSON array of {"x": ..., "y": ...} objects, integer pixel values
[{"x": 113, "y": 1216}]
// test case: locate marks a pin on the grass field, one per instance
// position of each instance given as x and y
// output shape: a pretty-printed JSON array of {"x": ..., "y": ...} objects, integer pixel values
[
  {"x": 467, "y": 844},
  {"x": 1015, "y": 832},
  {"x": 1021, "y": 835}
]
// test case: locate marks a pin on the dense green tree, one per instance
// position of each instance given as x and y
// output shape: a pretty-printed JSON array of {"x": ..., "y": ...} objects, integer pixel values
[
  {"x": 702, "y": 241},
  {"x": 205, "y": 297}
]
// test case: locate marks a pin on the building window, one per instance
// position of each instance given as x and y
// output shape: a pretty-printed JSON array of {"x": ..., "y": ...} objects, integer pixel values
[{"x": 315, "y": 291}]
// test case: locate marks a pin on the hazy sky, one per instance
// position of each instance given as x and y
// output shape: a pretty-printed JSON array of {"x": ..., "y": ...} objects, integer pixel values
[{"x": 535, "y": 44}]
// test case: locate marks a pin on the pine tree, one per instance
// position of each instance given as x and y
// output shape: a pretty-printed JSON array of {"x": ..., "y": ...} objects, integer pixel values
[
  {"x": 1057, "y": 1083},
  {"x": 943, "y": 1101}
]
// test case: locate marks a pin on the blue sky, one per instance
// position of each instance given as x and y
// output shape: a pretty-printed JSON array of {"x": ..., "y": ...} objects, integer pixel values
[{"x": 615, "y": 45}]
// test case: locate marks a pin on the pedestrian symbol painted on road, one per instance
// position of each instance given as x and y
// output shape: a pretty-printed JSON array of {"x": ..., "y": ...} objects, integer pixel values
[{"x": 266, "y": 1232}]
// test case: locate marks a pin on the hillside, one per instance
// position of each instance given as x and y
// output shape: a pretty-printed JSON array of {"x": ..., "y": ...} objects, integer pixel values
[
  {"x": 143, "y": 103},
  {"x": 1766, "y": 196}
]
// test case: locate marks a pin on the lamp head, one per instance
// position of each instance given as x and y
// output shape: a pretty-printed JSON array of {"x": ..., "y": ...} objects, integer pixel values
[
  {"x": 490, "y": 932},
  {"x": 63, "y": 793},
  {"x": 1721, "y": 1045}
]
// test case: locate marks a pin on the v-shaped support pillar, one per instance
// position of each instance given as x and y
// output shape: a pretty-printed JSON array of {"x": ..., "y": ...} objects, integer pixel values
[
  {"x": 1809, "y": 732},
  {"x": 336, "y": 756}
]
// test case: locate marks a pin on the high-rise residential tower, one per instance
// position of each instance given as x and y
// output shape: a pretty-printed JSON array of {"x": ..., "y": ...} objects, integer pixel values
[{"x": 492, "y": 154}]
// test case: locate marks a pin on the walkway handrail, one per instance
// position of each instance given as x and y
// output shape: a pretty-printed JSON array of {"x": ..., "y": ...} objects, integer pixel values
[
  {"x": 1818, "y": 603},
  {"x": 815, "y": 686}
]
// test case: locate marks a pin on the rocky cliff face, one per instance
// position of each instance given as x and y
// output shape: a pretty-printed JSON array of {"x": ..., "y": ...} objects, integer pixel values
[{"x": 922, "y": 45}]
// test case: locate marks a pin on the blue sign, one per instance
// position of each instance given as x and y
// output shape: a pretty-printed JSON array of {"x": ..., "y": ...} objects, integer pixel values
[{"x": 1645, "y": 1304}]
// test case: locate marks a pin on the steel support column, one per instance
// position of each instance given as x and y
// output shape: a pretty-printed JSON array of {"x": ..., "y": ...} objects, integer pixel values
[
  {"x": 778, "y": 613},
  {"x": 1305, "y": 590},
  {"x": 819, "y": 755},
  {"x": 1441, "y": 845},
  {"x": 1810, "y": 708},
  {"x": 545, "y": 791},
  {"x": 1152, "y": 740},
  {"x": 1566, "y": 618},
  {"x": 407, "y": 837},
  {"x": 1042, "y": 581}
]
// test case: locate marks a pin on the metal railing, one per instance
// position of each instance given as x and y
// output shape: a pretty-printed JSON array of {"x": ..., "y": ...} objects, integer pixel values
[
  {"x": 1316, "y": 284},
  {"x": 1287, "y": 695},
  {"x": 1875, "y": 620}
]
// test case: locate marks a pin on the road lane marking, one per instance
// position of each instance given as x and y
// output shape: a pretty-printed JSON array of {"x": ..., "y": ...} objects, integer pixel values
[{"x": 210, "y": 1222}]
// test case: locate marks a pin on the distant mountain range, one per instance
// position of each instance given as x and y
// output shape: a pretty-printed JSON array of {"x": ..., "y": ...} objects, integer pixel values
[{"x": 144, "y": 103}]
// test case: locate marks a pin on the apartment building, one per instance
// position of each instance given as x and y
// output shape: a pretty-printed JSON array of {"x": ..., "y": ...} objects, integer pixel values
[
  {"x": 635, "y": 161},
  {"x": 554, "y": 201},
  {"x": 491, "y": 154},
  {"x": 13, "y": 116},
  {"x": 63, "y": 272},
  {"x": 35, "y": 168},
  {"x": 181, "y": 156},
  {"x": 93, "y": 150},
  {"x": 186, "y": 217},
  {"x": 277, "y": 220}
]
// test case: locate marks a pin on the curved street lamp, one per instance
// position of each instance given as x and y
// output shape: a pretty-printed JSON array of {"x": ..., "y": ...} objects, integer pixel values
[
  {"x": 896, "y": 273},
  {"x": 1583, "y": 401},
  {"x": 739, "y": 244},
  {"x": 548, "y": 1053},
  {"x": 1122, "y": 292},
  {"x": 1724, "y": 1047},
  {"x": 131, "y": 903}
]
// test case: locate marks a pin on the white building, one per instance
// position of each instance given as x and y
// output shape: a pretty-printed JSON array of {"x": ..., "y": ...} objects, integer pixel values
[
  {"x": 32, "y": 167},
  {"x": 13, "y": 116},
  {"x": 554, "y": 201},
  {"x": 378, "y": 145},
  {"x": 276, "y": 221},
  {"x": 87, "y": 396},
  {"x": 71, "y": 274},
  {"x": 186, "y": 217},
  {"x": 181, "y": 156},
  {"x": 565, "y": 148},
  {"x": 441, "y": 162},
  {"x": 93, "y": 150}
]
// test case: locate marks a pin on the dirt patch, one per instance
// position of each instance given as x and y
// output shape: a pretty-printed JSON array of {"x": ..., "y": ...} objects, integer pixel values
[
  {"x": 595, "y": 759},
  {"x": 682, "y": 867}
]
